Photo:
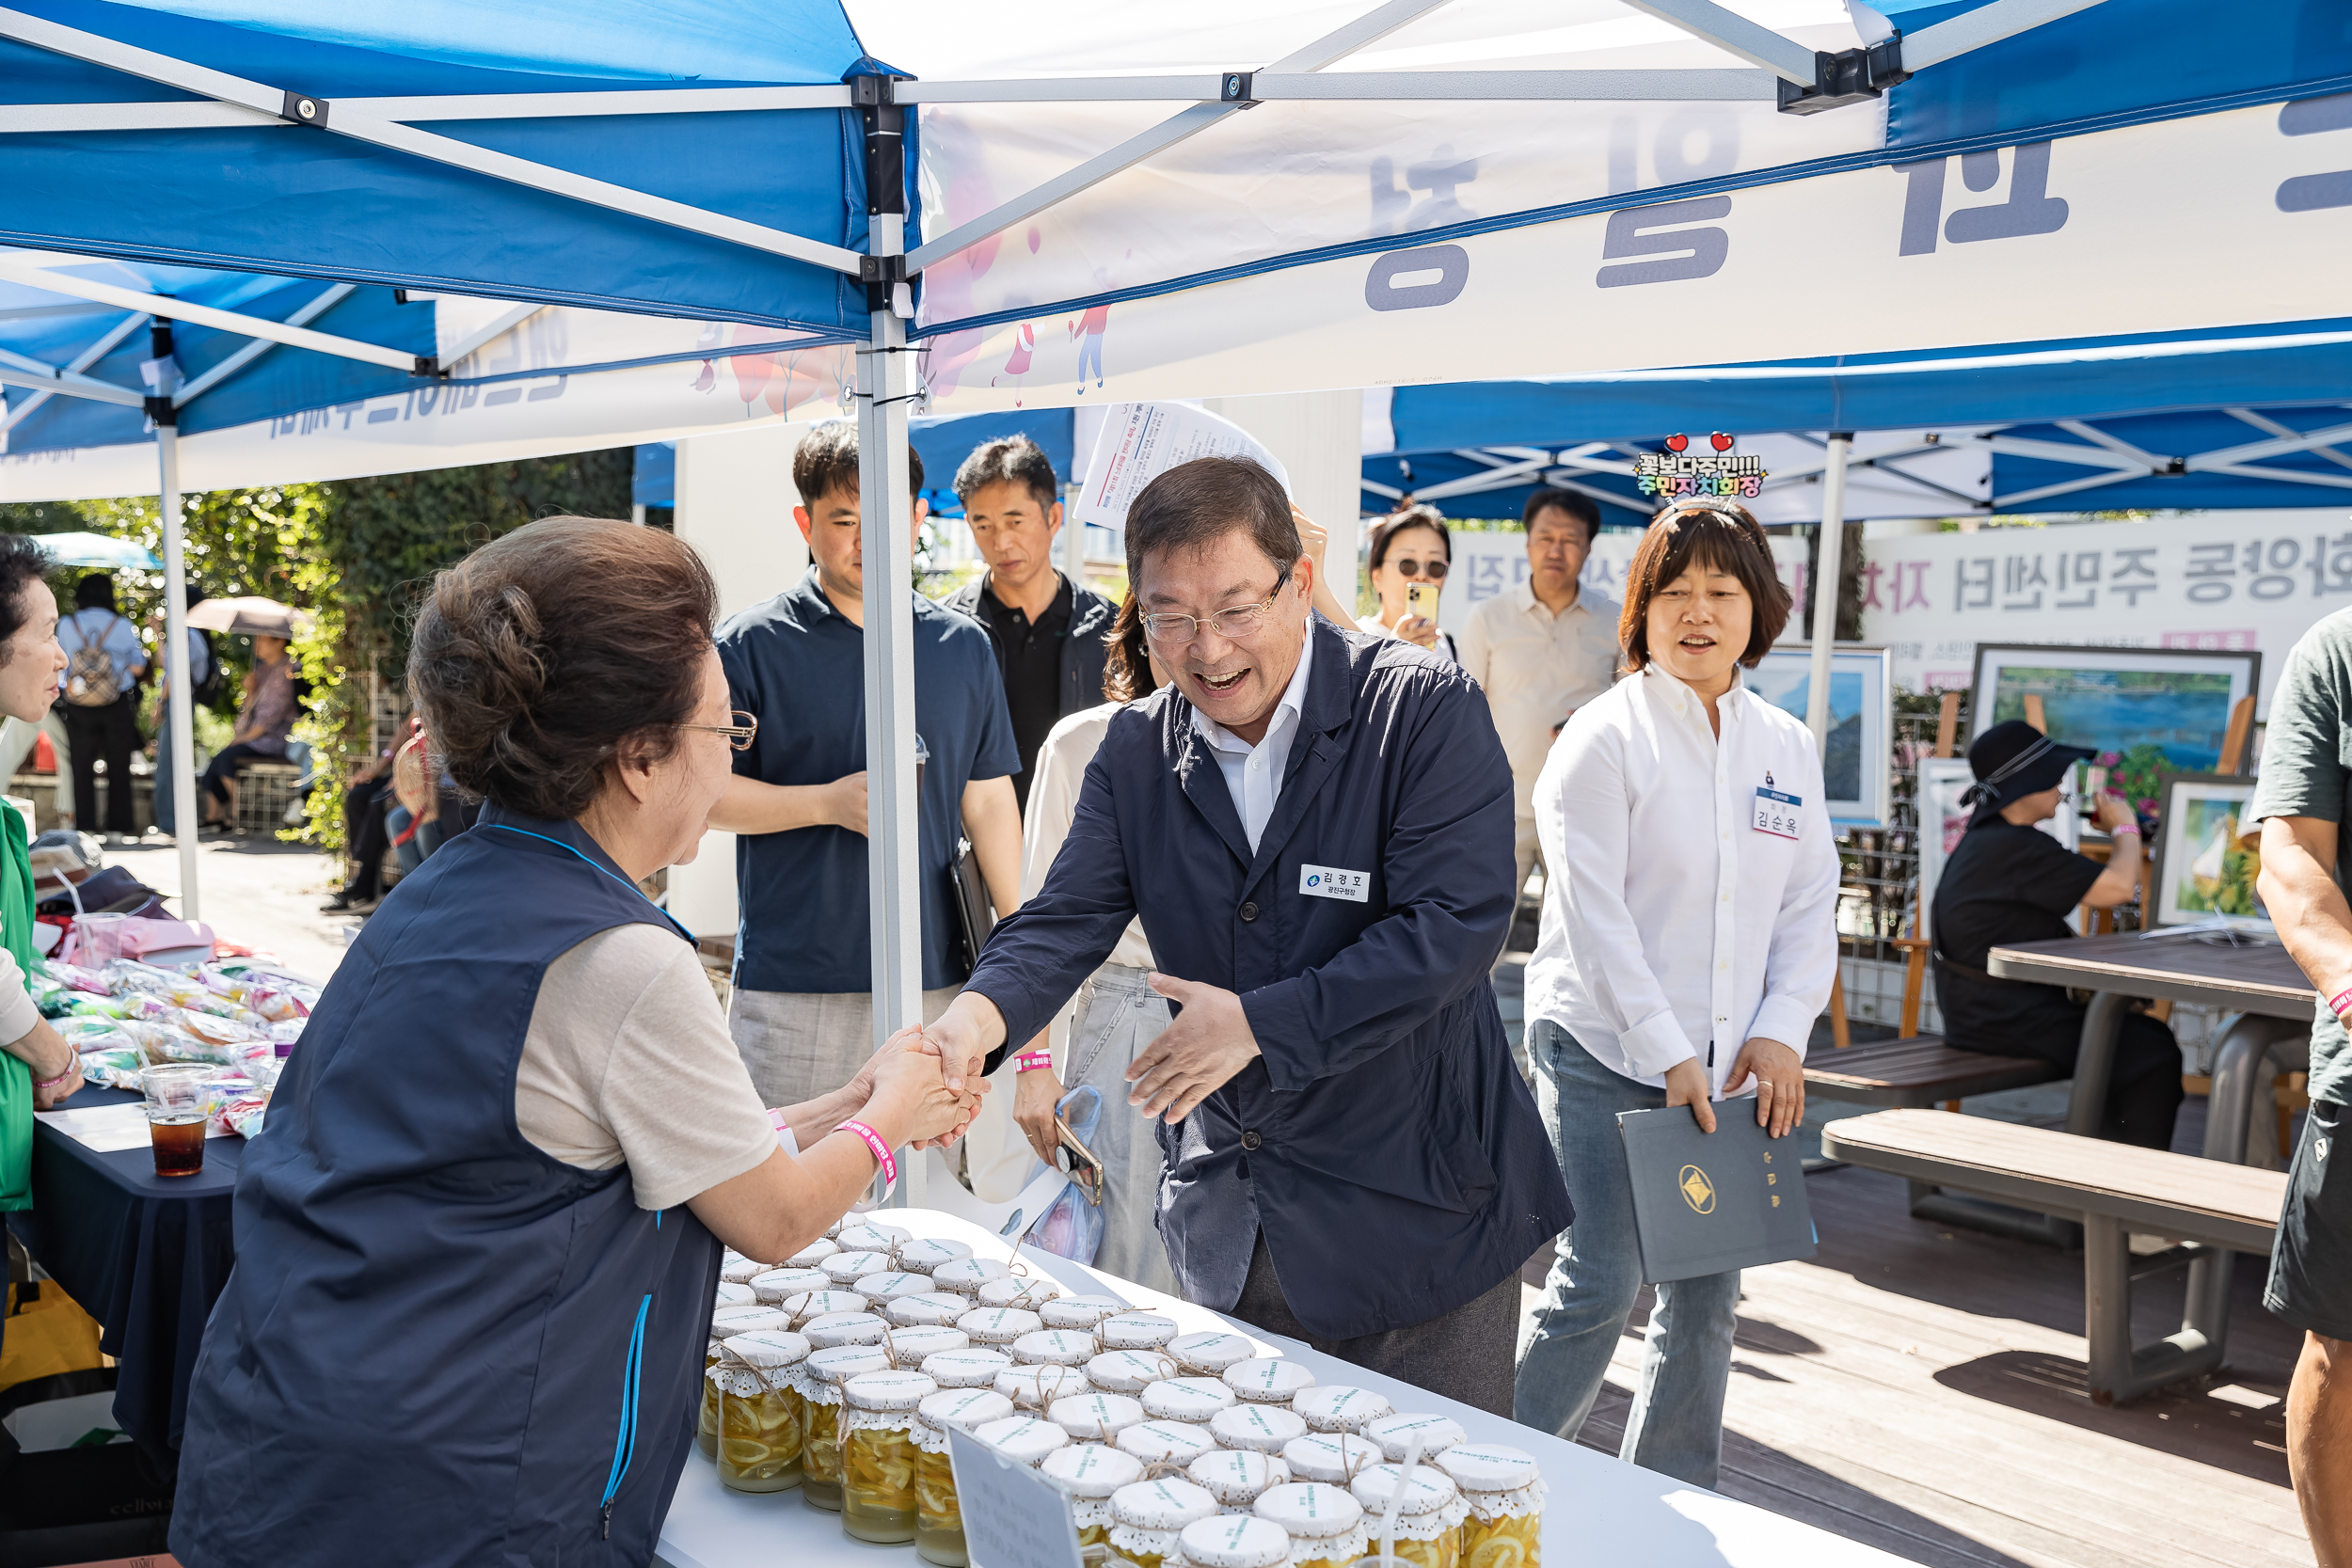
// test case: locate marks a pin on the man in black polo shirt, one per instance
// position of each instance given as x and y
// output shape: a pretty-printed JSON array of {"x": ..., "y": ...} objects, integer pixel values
[
  {"x": 802, "y": 1007},
  {"x": 1050, "y": 632}
]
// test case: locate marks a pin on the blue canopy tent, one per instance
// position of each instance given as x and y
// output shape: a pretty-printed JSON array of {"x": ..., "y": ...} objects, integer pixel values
[{"x": 739, "y": 165}]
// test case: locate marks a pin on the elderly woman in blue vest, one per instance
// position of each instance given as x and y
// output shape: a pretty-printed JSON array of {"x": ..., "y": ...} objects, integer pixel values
[
  {"x": 477, "y": 1244},
  {"x": 1688, "y": 944}
]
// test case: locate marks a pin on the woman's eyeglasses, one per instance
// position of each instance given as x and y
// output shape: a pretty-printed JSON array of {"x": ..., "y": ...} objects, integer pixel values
[
  {"x": 1234, "y": 624},
  {"x": 1435, "y": 569},
  {"x": 738, "y": 733}
]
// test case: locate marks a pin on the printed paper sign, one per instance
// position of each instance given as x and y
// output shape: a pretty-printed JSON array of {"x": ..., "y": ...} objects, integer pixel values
[
  {"x": 1141, "y": 441},
  {"x": 1013, "y": 1516}
]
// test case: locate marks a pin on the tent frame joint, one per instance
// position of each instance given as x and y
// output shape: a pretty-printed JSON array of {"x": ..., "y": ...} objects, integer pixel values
[
  {"x": 1851, "y": 76},
  {"x": 303, "y": 108},
  {"x": 164, "y": 411},
  {"x": 1238, "y": 86}
]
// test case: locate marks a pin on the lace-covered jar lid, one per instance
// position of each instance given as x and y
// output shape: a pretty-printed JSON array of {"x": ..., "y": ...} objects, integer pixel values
[
  {"x": 1336, "y": 1407},
  {"x": 911, "y": 1346},
  {"x": 1210, "y": 1352},
  {"x": 997, "y": 1325},
  {"x": 776, "y": 1286},
  {"x": 1023, "y": 1439},
  {"x": 1130, "y": 1372},
  {"x": 962, "y": 1409},
  {"x": 845, "y": 1268},
  {"x": 1028, "y": 1293},
  {"x": 871, "y": 1236},
  {"x": 1080, "y": 1311},
  {"x": 1311, "y": 1510},
  {"x": 727, "y": 1293},
  {"x": 1268, "y": 1379},
  {"x": 819, "y": 1303},
  {"x": 1091, "y": 1470},
  {"x": 965, "y": 1275},
  {"x": 812, "y": 1255},
  {"x": 1136, "y": 1331},
  {"x": 824, "y": 1371},
  {"x": 884, "y": 1288},
  {"x": 1431, "y": 1505},
  {"x": 926, "y": 1253},
  {"x": 845, "y": 1328},
  {"x": 1063, "y": 1347},
  {"x": 738, "y": 1270},
  {"x": 970, "y": 1368},
  {"x": 1166, "y": 1442},
  {"x": 1336, "y": 1457},
  {"x": 1094, "y": 1417},
  {"x": 1040, "y": 1382},
  {"x": 1497, "y": 1482},
  {"x": 1262, "y": 1427},
  {"x": 1188, "y": 1398},
  {"x": 942, "y": 1308},
  {"x": 1236, "y": 1476},
  {"x": 1234, "y": 1541},
  {"x": 1395, "y": 1434}
]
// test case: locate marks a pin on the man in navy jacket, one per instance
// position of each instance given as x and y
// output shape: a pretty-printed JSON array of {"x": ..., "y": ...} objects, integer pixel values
[{"x": 1316, "y": 829}]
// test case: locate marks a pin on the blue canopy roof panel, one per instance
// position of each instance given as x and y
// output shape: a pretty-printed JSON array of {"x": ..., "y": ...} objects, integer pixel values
[{"x": 271, "y": 198}]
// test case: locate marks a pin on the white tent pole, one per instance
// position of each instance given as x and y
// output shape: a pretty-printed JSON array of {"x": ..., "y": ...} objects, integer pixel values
[
  {"x": 178, "y": 714},
  {"x": 1828, "y": 574},
  {"x": 894, "y": 846}
]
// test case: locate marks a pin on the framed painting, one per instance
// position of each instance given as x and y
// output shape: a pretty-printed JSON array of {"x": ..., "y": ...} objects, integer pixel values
[
  {"x": 2205, "y": 862},
  {"x": 2145, "y": 712},
  {"x": 1858, "y": 769}
]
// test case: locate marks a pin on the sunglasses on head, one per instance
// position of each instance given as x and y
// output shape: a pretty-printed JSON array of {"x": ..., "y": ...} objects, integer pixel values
[{"x": 1435, "y": 570}]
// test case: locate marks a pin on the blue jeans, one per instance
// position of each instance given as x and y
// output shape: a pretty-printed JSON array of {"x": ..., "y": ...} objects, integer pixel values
[{"x": 1676, "y": 1427}]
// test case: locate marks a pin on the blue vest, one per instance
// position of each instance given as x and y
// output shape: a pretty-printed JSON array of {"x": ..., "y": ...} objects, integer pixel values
[{"x": 440, "y": 1345}]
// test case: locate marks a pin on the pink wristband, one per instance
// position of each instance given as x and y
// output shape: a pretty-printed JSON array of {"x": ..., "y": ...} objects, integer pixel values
[
  {"x": 2336, "y": 1002},
  {"x": 1035, "y": 1061},
  {"x": 882, "y": 1153}
]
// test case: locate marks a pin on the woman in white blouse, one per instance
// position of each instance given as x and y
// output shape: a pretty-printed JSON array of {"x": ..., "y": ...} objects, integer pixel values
[{"x": 1688, "y": 943}]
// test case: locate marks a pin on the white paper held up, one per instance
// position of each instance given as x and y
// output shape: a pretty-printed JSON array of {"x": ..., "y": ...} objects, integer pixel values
[{"x": 1141, "y": 441}]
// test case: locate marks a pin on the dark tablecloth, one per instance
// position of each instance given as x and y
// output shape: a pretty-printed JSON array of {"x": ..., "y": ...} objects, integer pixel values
[{"x": 147, "y": 1257}]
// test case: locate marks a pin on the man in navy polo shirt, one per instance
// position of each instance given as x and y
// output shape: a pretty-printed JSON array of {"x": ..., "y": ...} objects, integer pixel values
[{"x": 802, "y": 1008}]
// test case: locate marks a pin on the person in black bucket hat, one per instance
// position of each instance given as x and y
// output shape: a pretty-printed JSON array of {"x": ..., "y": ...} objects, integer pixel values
[{"x": 2006, "y": 883}]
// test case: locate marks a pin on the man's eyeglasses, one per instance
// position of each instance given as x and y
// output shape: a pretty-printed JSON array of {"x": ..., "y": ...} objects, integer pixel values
[
  {"x": 738, "y": 733},
  {"x": 1435, "y": 569},
  {"x": 1233, "y": 623}
]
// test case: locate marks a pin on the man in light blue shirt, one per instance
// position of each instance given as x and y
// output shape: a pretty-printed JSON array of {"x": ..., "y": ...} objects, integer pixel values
[{"x": 104, "y": 658}]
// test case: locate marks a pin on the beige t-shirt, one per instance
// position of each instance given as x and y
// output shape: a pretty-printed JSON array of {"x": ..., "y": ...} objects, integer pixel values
[{"x": 628, "y": 1060}]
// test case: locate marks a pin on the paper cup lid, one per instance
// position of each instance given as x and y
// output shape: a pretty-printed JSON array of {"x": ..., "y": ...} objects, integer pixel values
[
  {"x": 1091, "y": 1470},
  {"x": 1014, "y": 1291},
  {"x": 768, "y": 1348},
  {"x": 1136, "y": 1331},
  {"x": 1487, "y": 1467},
  {"x": 845, "y": 1328},
  {"x": 972, "y": 1367},
  {"x": 1188, "y": 1398},
  {"x": 1066, "y": 1346},
  {"x": 1161, "y": 1503},
  {"x": 1310, "y": 1507},
  {"x": 1080, "y": 1311},
  {"x": 812, "y": 1255},
  {"x": 1267, "y": 1378},
  {"x": 942, "y": 1308},
  {"x": 1096, "y": 1418},
  {"x": 964, "y": 1409},
  {"x": 910, "y": 1345},
  {"x": 837, "y": 1363},
  {"x": 1131, "y": 1372},
  {"x": 926, "y": 1253},
  {"x": 1041, "y": 1383},
  {"x": 737, "y": 1269},
  {"x": 967, "y": 1274},
  {"x": 1236, "y": 1475},
  {"x": 1395, "y": 1434},
  {"x": 997, "y": 1325},
  {"x": 1262, "y": 1427},
  {"x": 745, "y": 1320},
  {"x": 891, "y": 1390},
  {"x": 1329, "y": 1456},
  {"x": 729, "y": 1293},
  {"x": 1023, "y": 1439},
  {"x": 1428, "y": 1491},
  {"x": 820, "y": 1303},
  {"x": 1336, "y": 1407},
  {"x": 890, "y": 1283},
  {"x": 1175, "y": 1442},
  {"x": 848, "y": 1267},
  {"x": 1235, "y": 1541},
  {"x": 871, "y": 1236},
  {"x": 1211, "y": 1350}
]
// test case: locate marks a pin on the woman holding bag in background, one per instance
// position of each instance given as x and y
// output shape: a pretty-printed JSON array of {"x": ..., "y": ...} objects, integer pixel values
[{"x": 1688, "y": 944}]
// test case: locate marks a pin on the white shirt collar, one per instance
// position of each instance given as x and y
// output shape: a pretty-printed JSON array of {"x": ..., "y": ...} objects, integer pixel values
[
  {"x": 1677, "y": 692},
  {"x": 1287, "y": 713}
]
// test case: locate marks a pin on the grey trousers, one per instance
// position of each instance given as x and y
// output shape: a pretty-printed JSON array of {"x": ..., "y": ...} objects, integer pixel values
[
  {"x": 1120, "y": 1019},
  {"x": 799, "y": 1045},
  {"x": 1466, "y": 1354}
]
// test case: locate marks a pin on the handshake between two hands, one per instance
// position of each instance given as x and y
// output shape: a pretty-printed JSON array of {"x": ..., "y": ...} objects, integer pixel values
[{"x": 934, "y": 1070}]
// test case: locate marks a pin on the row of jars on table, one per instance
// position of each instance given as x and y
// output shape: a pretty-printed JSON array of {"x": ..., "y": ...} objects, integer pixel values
[{"x": 841, "y": 1371}]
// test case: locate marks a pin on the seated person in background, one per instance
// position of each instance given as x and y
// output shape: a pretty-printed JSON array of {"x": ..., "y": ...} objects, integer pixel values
[
  {"x": 264, "y": 722},
  {"x": 2007, "y": 882}
]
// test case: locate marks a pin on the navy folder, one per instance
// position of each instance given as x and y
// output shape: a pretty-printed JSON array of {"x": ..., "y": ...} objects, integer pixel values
[{"x": 1705, "y": 1202}]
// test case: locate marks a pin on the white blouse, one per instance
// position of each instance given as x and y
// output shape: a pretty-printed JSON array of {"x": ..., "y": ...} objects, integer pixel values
[
  {"x": 1055, "y": 781},
  {"x": 1675, "y": 924}
]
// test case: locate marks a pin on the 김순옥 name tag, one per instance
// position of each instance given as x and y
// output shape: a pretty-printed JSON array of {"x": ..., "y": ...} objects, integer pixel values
[
  {"x": 1776, "y": 813},
  {"x": 1330, "y": 881}
]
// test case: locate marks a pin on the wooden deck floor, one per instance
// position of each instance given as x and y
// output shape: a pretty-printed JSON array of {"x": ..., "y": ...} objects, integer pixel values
[{"x": 1920, "y": 1389}]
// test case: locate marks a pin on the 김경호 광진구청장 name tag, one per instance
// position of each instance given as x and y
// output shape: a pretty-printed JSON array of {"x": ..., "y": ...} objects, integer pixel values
[{"x": 1705, "y": 1202}]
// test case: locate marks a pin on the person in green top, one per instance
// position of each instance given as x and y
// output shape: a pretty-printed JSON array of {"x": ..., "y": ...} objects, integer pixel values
[{"x": 38, "y": 1067}]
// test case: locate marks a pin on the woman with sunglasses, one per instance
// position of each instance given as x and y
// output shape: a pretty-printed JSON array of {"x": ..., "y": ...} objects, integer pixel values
[
  {"x": 1411, "y": 549},
  {"x": 476, "y": 1251}
]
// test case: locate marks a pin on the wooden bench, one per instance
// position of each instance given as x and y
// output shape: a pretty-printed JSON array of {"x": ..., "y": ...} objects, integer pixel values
[{"x": 2114, "y": 1192}]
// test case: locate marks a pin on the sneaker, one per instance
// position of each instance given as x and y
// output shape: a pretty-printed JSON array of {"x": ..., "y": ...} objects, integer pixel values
[{"x": 345, "y": 903}]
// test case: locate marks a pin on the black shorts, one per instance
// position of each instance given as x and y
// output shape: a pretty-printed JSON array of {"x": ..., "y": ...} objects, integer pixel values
[{"x": 2310, "y": 1265}]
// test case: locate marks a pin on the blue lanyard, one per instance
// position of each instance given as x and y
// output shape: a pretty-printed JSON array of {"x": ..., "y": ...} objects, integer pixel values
[{"x": 508, "y": 827}]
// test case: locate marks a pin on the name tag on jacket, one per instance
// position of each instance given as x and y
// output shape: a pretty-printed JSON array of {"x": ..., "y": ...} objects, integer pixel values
[
  {"x": 1776, "y": 813},
  {"x": 1330, "y": 881}
]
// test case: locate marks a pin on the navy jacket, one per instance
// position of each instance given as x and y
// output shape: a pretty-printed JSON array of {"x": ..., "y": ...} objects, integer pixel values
[{"x": 1384, "y": 1142}]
